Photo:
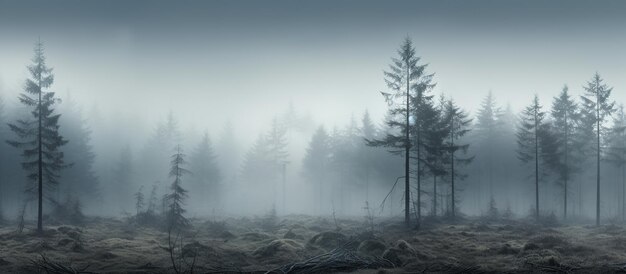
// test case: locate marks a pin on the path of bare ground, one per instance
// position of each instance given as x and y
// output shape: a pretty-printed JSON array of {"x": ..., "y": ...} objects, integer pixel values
[{"x": 266, "y": 243}]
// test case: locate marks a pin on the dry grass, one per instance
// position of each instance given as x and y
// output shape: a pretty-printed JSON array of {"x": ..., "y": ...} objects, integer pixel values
[{"x": 246, "y": 244}]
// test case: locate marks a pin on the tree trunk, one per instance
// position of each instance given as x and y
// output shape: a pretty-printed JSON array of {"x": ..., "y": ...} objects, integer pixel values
[
  {"x": 452, "y": 201},
  {"x": 40, "y": 165},
  {"x": 407, "y": 140},
  {"x": 536, "y": 165},
  {"x": 598, "y": 160}
]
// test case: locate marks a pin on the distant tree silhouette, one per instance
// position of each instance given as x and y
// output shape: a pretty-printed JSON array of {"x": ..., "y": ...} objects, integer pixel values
[
  {"x": 176, "y": 198},
  {"x": 616, "y": 153},
  {"x": 206, "y": 173},
  {"x": 315, "y": 164}
]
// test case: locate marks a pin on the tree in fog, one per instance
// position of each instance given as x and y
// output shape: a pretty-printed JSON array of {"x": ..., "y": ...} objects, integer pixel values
[
  {"x": 256, "y": 168},
  {"x": 176, "y": 199},
  {"x": 153, "y": 163},
  {"x": 531, "y": 134},
  {"x": 616, "y": 153},
  {"x": 566, "y": 158},
  {"x": 598, "y": 106},
  {"x": 206, "y": 173},
  {"x": 123, "y": 175},
  {"x": 229, "y": 153},
  {"x": 459, "y": 125},
  {"x": 487, "y": 129},
  {"x": 79, "y": 180},
  {"x": 139, "y": 201},
  {"x": 39, "y": 137},
  {"x": 408, "y": 82},
  {"x": 317, "y": 160},
  {"x": 431, "y": 152},
  {"x": 366, "y": 154},
  {"x": 277, "y": 155}
]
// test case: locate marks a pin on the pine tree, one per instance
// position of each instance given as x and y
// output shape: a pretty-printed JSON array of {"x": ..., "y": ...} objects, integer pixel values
[
  {"x": 616, "y": 153},
  {"x": 139, "y": 200},
  {"x": 487, "y": 129},
  {"x": 40, "y": 137},
  {"x": 277, "y": 154},
  {"x": 205, "y": 170},
  {"x": 407, "y": 81},
  {"x": 317, "y": 160},
  {"x": 598, "y": 106},
  {"x": 153, "y": 162},
  {"x": 565, "y": 119},
  {"x": 430, "y": 145},
  {"x": 176, "y": 199},
  {"x": 368, "y": 131},
  {"x": 458, "y": 123},
  {"x": 79, "y": 180},
  {"x": 256, "y": 165},
  {"x": 229, "y": 153},
  {"x": 531, "y": 134}
]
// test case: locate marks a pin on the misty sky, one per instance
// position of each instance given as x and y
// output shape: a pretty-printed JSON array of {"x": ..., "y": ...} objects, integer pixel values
[{"x": 212, "y": 61}]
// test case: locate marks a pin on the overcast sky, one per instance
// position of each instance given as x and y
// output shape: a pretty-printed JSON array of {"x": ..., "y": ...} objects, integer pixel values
[{"x": 210, "y": 61}]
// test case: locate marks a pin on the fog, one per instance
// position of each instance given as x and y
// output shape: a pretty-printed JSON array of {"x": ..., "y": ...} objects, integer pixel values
[{"x": 127, "y": 67}]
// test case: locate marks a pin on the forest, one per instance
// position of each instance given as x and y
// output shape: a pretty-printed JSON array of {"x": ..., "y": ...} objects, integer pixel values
[{"x": 434, "y": 184}]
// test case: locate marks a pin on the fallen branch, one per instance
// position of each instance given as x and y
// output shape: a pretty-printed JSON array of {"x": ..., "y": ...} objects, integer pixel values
[{"x": 382, "y": 204}]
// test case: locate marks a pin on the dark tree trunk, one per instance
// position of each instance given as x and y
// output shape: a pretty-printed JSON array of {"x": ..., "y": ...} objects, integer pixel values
[
  {"x": 407, "y": 140},
  {"x": 40, "y": 167},
  {"x": 598, "y": 160}
]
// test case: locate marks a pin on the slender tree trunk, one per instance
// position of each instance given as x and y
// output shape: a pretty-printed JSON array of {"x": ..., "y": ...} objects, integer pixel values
[
  {"x": 419, "y": 178},
  {"x": 536, "y": 165},
  {"x": 566, "y": 169},
  {"x": 407, "y": 140},
  {"x": 452, "y": 201},
  {"x": 598, "y": 161},
  {"x": 40, "y": 164}
]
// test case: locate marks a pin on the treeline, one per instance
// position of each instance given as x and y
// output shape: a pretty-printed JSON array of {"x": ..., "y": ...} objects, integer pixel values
[
  {"x": 572, "y": 137},
  {"x": 426, "y": 157}
]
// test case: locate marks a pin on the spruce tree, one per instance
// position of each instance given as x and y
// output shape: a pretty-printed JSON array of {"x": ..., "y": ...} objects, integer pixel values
[
  {"x": 277, "y": 154},
  {"x": 206, "y": 173},
  {"x": 598, "y": 106},
  {"x": 79, "y": 179},
  {"x": 616, "y": 153},
  {"x": 565, "y": 161},
  {"x": 408, "y": 82},
  {"x": 366, "y": 158},
  {"x": 487, "y": 129},
  {"x": 459, "y": 125},
  {"x": 39, "y": 138},
  {"x": 256, "y": 165},
  {"x": 531, "y": 134},
  {"x": 316, "y": 161},
  {"x": 176, "y": 199}
]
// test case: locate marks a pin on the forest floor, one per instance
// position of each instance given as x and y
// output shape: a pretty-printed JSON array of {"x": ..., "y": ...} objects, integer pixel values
[{"x": 275, "y": 243}]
